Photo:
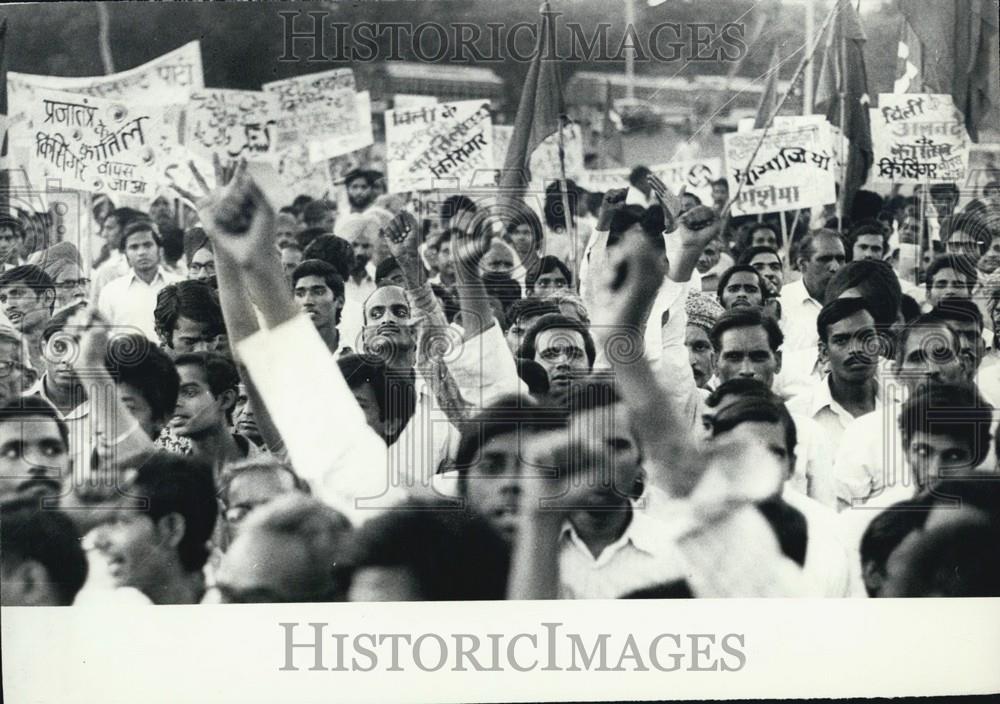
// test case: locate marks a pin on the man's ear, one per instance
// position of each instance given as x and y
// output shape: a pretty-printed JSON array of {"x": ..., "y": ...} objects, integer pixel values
[
  {"x": 171, "y": 528},
  {"x": 227, "y": 399},
  {"x": 777, "y": 357},
  {"x": 823, "y": 351},
  {"x": 872, "y": 578}
]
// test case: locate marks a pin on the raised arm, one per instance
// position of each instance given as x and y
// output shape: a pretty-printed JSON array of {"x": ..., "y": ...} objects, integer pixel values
[
  {"x": 402, "y": 236},
  {"x": 630, "y": 280},
  {"x": 328, "y": 440}
]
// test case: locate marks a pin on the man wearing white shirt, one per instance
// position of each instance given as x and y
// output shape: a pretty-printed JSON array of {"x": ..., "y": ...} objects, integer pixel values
[
  {"x": 828, "y": 564},
  {"x": 358, "y": 286},
  {"x": 870, "y": 454},
  {"x": 849, "y": 345},
  {"x": 944, "y": 431},
  {"x": 115, "y": 265},
  {"x": 821, "y": 254},
  {"x": 131, "y": 299}
]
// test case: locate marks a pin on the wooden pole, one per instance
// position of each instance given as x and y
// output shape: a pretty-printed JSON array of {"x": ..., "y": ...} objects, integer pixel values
[
  {"x": 842, "y": 200},
  {"x": 567, "y": 214}
]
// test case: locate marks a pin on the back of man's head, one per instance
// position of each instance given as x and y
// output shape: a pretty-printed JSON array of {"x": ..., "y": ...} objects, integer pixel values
[
  {"x": 134, "y": 360},
  {"x": 41, "y": 560},
  {"x": 444, "y": 555},
  {"x": 320, "y": 531},
  {"x": 335, "y": 251},
  {"x": 177, "y": 484}
]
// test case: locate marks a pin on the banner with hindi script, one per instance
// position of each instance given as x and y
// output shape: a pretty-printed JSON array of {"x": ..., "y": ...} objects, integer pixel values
[
  {"x": 166, "y": 79},
  {"x": 435, "y": 144},
  {"x": 794, "y": 168},
  {"x": 302, "y": 175},
  {"x": 312, "y": 91},
  {"x": 90, "y": 144},
  {"x": 231, "y": 123},
  {"x": 323, "y": 111},
  {"x": 918, "y": 138},
  {"x": 695, "y": 175}
]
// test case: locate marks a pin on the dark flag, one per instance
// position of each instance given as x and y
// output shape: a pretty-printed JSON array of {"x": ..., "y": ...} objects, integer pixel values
[
  {"x": 541, "y": 107},
  {"x": 842, "y": 95},
  {"x": 953, "y": 45},
  {"x": 769, "y": 98}
]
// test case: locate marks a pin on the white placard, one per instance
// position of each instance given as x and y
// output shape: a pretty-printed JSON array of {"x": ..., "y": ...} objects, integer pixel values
[
  {"x": 166, "y": 79},
  {"x": 794, "y": 167},
  {"x": 90, "y": 144},
  {"x": 231, "y": 123},
  {"x": 918, "y": 138},
  {"x": 448, "y": 142}
]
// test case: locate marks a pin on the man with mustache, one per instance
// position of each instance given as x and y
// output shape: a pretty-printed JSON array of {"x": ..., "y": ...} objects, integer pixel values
[
  {"x": 927, "y": 350},
  {"x": 703, "y": 311},
  {"x": 741, "y": 286},
  {"x": 388, "y": 332},
  {"x": 848, "y": 343},
  {"x": 34, "y": 448}
]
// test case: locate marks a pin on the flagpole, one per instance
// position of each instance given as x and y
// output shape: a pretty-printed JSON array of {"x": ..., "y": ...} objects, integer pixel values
[
  {"x": 564, "y": 195},
  {"x": 806, "y": 59},
  {"x": 807, "y": 93},
  {"x": 841, "y": 201}
]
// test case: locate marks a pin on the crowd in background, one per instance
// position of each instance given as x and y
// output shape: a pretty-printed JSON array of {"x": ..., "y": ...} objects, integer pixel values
[{"x": 651, "y": 398}]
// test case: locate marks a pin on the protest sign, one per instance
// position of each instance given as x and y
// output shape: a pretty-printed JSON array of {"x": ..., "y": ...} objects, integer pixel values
[
  {"x": 695, "y": 175},
  {"x": 231, "y": 123},
  {"x": 918, "y": 138},
  {"x": 314, "y": 91},
  {"x": 323, "y": 111},
  {"x": 448, "y": 142},
  {"x": 300, "y": 174},
  {"x": 342, "y": 136},
  {"x": 90, "y": 144},
  {"x": 794, "y": 167},
  {"x": 166, "y": 79}
]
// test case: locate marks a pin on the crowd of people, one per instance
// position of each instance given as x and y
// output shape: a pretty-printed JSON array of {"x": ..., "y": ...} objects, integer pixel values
[{"x": 650, "y": 398}]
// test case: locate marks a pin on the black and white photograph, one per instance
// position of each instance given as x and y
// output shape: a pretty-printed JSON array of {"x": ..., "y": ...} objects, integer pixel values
[{"x": 499, "y": 350}]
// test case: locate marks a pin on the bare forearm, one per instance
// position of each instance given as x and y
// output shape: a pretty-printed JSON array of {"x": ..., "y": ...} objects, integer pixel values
[
  {"x": 474, "y": 305},
  {"x": 265, "y": 281},
  {"x": 534, "y": 572},
  {"x": 657, "y": 420},
  {"x": 241, "y": 320}
]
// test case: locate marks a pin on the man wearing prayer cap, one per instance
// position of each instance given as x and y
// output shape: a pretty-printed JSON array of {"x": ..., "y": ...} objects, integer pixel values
[{"x": 703, "y": 311}]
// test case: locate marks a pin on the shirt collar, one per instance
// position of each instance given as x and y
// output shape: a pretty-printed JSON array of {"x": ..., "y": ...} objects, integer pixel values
[
  {"x": 799, "y": 292},
  {"x": 133, "y": 277},
  {"x": 38, "y": 389},
  {"x": 823, "y": 398},
  {"x": 642, "y": 532}
]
